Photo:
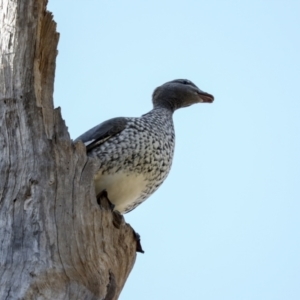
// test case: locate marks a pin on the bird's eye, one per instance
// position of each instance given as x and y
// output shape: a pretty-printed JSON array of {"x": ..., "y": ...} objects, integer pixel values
[{"x": 186, "y": 82}]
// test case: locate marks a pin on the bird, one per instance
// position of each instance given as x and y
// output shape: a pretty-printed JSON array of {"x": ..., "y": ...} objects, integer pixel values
[{"x": 135, "y": 153}]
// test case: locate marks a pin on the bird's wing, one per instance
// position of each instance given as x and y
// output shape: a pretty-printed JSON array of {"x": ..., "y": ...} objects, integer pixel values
[{"x": 102, "y": 132}]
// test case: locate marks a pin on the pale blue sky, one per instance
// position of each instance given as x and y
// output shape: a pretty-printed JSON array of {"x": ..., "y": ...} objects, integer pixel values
[{"x": 225, "y": 224}]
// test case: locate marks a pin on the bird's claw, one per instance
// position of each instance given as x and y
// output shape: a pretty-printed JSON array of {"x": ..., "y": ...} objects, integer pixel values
[
  {"x": 118, "y": 219},
  {"x": 103, "y": 201},
  {"x": 103, "y": 196}
]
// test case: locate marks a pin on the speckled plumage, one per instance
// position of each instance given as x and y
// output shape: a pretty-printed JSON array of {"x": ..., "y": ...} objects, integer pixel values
[
  {"x": 135, "y": 154},
  {"x": 145, "y": 147}
]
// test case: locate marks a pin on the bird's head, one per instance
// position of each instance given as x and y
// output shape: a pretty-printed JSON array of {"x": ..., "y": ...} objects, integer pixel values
[{"x": 179, "y": 93}]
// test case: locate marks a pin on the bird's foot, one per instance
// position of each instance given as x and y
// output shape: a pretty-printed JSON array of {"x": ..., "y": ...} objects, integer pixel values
[
  {"x": 103, "y": 201},
  {"x": 118, "y": 219},
  {"x": 138, "y": 242},
  {"x": 106, "y": 203}
]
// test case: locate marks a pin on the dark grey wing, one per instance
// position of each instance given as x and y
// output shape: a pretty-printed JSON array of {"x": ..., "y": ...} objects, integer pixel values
[{"x": 102, "y": 132}]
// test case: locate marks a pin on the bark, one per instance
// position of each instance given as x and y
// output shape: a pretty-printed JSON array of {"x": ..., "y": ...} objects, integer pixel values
[{"x": 55, "y": 240}]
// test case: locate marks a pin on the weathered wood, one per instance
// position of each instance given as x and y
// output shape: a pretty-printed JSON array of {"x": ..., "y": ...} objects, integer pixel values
[{"x": 55, "y": 241}]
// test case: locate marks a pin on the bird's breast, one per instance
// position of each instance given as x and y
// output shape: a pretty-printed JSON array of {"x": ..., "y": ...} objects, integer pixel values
[
  {"x": 123, "y": 188},
  {"x": 134, "y": 163}
]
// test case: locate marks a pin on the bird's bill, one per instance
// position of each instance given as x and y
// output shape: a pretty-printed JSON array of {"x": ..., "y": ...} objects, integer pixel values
[{"x": 205, "y": 97}]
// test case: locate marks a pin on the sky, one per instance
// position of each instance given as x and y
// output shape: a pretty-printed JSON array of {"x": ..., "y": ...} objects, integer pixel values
[{"x": 225, "y": 223}]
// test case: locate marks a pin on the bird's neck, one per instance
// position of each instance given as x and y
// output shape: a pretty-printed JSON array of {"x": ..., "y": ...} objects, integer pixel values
[
  {"x": 161, "y": 115},
  {"x": 168, "y": 104},
  {"x": 162, "y": 111}
]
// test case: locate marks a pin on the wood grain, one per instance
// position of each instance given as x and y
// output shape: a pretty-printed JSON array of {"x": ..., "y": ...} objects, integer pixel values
[{"x": 56, "y": 242}]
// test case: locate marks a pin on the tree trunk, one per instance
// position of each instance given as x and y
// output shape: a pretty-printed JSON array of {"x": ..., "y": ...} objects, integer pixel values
[{"x": 55, "y": 240}]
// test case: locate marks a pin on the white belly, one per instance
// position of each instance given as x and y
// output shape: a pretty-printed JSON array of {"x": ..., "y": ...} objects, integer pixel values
[{"x": 123, "y": 189}]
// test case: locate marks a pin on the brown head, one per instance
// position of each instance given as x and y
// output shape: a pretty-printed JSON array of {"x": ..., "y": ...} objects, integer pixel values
[{"x": 179, "y": 93}]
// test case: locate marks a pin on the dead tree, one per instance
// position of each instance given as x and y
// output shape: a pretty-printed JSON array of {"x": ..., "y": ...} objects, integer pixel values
[{"x": 55, "y": 240}]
